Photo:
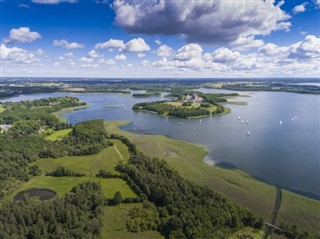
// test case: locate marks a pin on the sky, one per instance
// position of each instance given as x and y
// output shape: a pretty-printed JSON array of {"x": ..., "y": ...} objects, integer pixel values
[{"x": 160, "y": 38}]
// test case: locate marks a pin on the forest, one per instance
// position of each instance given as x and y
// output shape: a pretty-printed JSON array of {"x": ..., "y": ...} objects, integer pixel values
[
  {"x": 75, "y": 215},
  {"x": 184, "y": 210},
  {"x": 24, "y": 142}
]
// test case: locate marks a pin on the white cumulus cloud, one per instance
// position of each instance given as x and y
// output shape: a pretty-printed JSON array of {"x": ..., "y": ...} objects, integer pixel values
[
  {"x": 22, "y": 34},
  {"x": 67, "y": 45},
  {"x": 164, "y": 51},
  {"x": 300, "y": 8},
  {"x": 93, "y": 54},
  {"x": 141, "y": 55},
  {"x": 120, "y": 57},
  {"x": 111, "y": 43},
  {"x": 189, "y": 51},
  {"x": 137, "y": 45},
  {"x": 216, "y": 21},
  {"x": 16, "y": 55},
  {"x": 134, "y": 45}
]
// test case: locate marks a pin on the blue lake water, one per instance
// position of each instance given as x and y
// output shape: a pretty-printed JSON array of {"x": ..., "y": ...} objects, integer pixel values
[{"x": 286, "y": 155}]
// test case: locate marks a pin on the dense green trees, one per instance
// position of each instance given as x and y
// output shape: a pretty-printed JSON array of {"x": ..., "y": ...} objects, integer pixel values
[
  {"x": 76, "y": 215},
  {"x": 165, "y": 109},
  {"x": 185, "y": 210},
  {"x": 62, "y": 172}
]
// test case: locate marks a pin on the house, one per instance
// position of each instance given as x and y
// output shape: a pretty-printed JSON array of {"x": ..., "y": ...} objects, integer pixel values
[
  {"x": 193, "y": 98},
  {"x": 5, "y": 127}
]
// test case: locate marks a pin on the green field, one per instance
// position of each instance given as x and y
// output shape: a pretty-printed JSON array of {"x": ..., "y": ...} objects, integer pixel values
[
  {"x": 55, "y": 135},
  {"x": 247, "y": 231},
  {"x": 62, "y": 185},
  {"x": 301, "y": 211},
  {"x": 235, "y": 185},
  {"x": 1, "y": 109},
  {"x": 114, "y": 222},
  {"x": 88, "y": 164},
  {"x": 187, "y": 159}
]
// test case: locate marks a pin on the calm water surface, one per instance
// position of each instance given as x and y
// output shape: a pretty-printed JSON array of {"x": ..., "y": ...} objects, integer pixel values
[{"x": 286, "y": 155}]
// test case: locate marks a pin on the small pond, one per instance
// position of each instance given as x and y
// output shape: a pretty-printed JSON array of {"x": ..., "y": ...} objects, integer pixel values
[{"x": 42, "y": 194}]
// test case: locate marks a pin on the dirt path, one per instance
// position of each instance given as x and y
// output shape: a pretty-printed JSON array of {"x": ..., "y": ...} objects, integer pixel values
[
  {"x": 120, "y": 155},
  {"x": 275, "y": 211}
]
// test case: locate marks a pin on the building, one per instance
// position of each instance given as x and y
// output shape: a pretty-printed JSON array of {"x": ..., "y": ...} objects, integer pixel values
[
  {"x": 5, "y": 127},
  {"x": 193, "y": 98}
]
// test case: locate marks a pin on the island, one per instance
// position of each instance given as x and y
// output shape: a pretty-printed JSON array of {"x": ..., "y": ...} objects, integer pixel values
[{"x": 188, "y": 105}]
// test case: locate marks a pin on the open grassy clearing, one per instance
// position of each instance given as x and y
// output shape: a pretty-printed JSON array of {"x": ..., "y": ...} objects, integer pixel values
[
  {"x": 247, "y": 231},
  {"x": 212, "y": 108},
  {"x": 1, "y": 109},
  {"x": 89, "y": 164},
  {"x": 235, "y": 185},
  {"x": 301, "y": 211},
  {"x": 115, "y": 224},
  {"x": 62, "y": 185},
  {"x": 55, "y": 135}
]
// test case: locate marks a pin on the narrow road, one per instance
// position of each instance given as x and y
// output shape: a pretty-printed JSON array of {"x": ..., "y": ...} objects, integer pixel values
[
  {"x": 275, "y": 211},
  {"x": 120, "y": 155}
]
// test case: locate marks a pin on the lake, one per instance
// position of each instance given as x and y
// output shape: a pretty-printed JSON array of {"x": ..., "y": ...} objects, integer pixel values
[{"x": 286, "y": 155}]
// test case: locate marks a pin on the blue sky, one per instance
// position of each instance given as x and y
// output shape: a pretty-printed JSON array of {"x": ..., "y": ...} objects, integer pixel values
[{"x": 160, "y": 38}]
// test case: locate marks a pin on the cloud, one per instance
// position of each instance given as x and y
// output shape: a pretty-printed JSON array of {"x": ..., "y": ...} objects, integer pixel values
[
  {"x": 137, "y": 45},
  {"x": 120, "y": 57},
  {"x": 212, "y": 21},
  {"x": 53, "y": 1},
  {"x": 164, "y": 51},
  {"x": 23, "y": 5},
  {"x": 300, "y": 8},
  {"x": 16, "y": 55},
  {"x": 86, "y": 60},
  {"x": 67, "y": 45},
  {"x": 299, "y": 59},
  {"x": 306, "y": 49},
  {"x": 111, "y": 43},
  {"x": 224, "y": 55},
  {"x": 110, "y": 62},
  {"x": 245, "y": 43},
  {"x": 158, "y": 42},
  {"x": 68, "y": 54},
  {"x": 188, "y": 52},
  {"x": 141, "y": 55},
  {"x": 134, "y": 45},
  {"x": 93, "y": 54},
  {"x": 22, "y": 34}
]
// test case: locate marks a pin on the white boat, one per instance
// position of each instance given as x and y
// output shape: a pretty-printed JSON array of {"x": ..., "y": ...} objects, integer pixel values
[
  {"x": 295, "y": 117},
  {"x": 180, "y": 123},
  {"x": 247, "y": 121},
  {"x": 242, "y": 121},
  {"x": 194, "y": 129},
  {"x": 292, "y": 119},
  {"x": 200, "y": 120},
  {"x": 280, "y": 122},
  {"x": 248, "y": 133},
  {"x": 239, "y": 118}
]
